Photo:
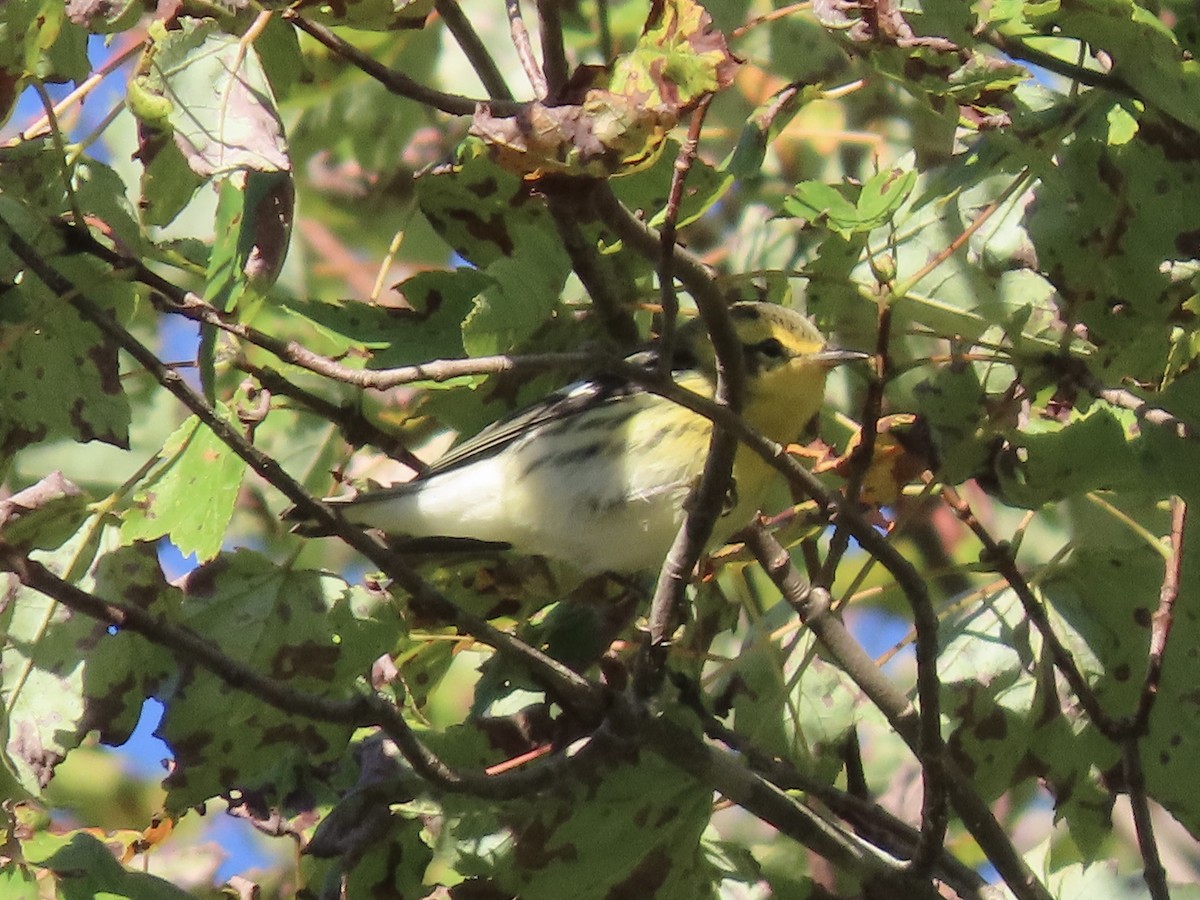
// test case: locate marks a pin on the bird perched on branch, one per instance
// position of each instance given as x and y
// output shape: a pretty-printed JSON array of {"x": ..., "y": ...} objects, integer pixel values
[{"x": 596, "y": 474}]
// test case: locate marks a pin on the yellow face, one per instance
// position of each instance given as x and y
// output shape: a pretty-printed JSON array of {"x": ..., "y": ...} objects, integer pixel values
[{"x": 786, "y": 364}]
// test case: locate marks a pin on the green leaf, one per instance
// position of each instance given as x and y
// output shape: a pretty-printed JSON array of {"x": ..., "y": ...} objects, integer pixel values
[
  {"x": 883, "y": 194},
  {"x": 43, "y": 515},
  {"x": 647, "y": 189},
  {"x": 1106, "y": 242},
  {"x": 820, "y": 202},
  {"x": 1087, "y": 454},
  {"x": 44, "y": 662},
  {"x": 485, "y": 215},
  {"x": 308, "y": 630},
  {"x": 951, "y": 401},
  {"x": 191, "y": 496},
  {"x": 86, "y": 869},
  {"x": 254, "y": 224},
  {"x": 873, "y": 204},
  {"x": 633, "y": 824},
  {"x": 994, "y": 673},
  {"x": 376, "y": 15},
  {"x": 222, "y": 111},
  {"x": 1145, "y": 53},
  {"x": 61, "y": 375}
]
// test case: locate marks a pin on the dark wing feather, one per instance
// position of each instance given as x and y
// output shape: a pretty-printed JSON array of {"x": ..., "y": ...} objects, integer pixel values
[{"x": 560, "y": 406}]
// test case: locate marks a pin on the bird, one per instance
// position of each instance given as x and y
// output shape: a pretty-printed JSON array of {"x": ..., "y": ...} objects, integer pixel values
[{"x": 596, "y": 474}]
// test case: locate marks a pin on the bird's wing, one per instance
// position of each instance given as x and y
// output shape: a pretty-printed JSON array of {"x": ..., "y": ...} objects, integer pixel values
[{"x": 561, "y": 406}]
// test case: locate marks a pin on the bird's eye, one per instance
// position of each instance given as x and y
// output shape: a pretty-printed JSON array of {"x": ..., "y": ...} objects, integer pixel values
[{"x": 771, "y": 348}]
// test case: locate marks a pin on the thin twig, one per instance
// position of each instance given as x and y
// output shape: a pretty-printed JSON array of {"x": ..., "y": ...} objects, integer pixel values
[
  {"x": 610, "y": 288},
  {"x": 706, "y": 501},
  {"x": 812, "y": 607},
  {"x": 903, "y": 288},
  {"x": 780, "y": 13},
  {"x": 869, "y": 820},
  {"x": 85, "y": 87},
  {"x": 520, "y": 39},
  {"x": 726, "y": 772},
  {"x": 1141, "y": 408},
  {"x": 1139, "y": 724},
  {"x": 1019, "y": 49},
  {"x": 604, "y": 37},
  {"x": 666, "y": 272},
  {"x": 703, "y": 288},
  {"x": 1162, "y": 620},
  {"x": 170, "y": 298},
  {"x": 1139, "y": 804},
  {"x": 569, "y": 685},
  {"x": 355, "y": 428},
  {"x": 397, "y": 82},
  {"x": 554, "y": 54},
  {"x": 361, "y": 710},
  {"x": 60, "y": 150},
  {"x": 861, "y": 457},
  {"x": 1001, "y": 558},
  {"x": 475, "y": 50}
]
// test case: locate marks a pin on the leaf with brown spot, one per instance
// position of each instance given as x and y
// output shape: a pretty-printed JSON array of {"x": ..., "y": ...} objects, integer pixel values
[
  {"x": 61, "y": 375},
  {"x": 309, "y": 630},
  {"x": 616, "y": 123}
]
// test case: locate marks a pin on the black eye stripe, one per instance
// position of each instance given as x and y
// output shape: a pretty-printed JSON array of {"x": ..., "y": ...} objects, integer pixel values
[{"x": 770, "y": 348}]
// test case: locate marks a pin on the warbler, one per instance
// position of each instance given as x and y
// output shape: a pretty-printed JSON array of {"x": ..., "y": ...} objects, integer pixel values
[{"x": 596, "y": 474}]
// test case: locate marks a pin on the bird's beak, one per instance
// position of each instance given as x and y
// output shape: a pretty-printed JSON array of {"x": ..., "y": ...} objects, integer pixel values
[{"x": 831, "y": 357}]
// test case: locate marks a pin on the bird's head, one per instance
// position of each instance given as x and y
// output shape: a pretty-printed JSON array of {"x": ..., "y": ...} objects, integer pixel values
[{"x": 786, "y": 361}]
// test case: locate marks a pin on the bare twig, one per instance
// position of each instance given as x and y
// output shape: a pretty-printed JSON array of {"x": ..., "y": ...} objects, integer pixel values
[
  {"x": 666, "y": 272},
  {"x": 780, "y": 13},
  {"x": 126, "y": 48},
  {"x": 1139, "y": 804},
  {"x": 904, "y": 287},
  {"x": 554, "y": 54},
  {"x": 706, "y": 501},
  {"x": 1001, "y": 558},
  {"x": 604, "y": 38},
  {"x": 573, "y": 688},
  {"x": 860, "y": 459},
  {"x": 869, "y": 820},
  {"x": 611, "y": 291},
  {"x": 812, "y": 606},
  {"x": 1019, "y": 49},
  {"x": 520, "y": 39},
  {"x": 703, "y": 288},
  {"x": 725, "y": 771},
  {"x": 1163, "y": 619},
  {"x": 170, "y": 298},
  {"x": 397, "y": 82},
  {"x": 1141, "y": 408},
  {"x": 1139, "y": 724},
  {"x": 361, "y": 710},
  {"x": 354, "y": 426},
  {"x": 475, "y": 50},
  {"x": 60, "y": 150}
]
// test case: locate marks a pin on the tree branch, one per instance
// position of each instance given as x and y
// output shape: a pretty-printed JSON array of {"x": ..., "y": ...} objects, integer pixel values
[
  {"x": 476, "y": 52},
  {"x": 397, "y": 82},
  {"x": 520, "y": 40},
  {"x": 812, "y": 606},
  {"x": 1001, "y": 558},
  {"x": 554, "y": 54},
  {"x": 363, "y": 710},
  {"x": 561, "y": 680}
]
